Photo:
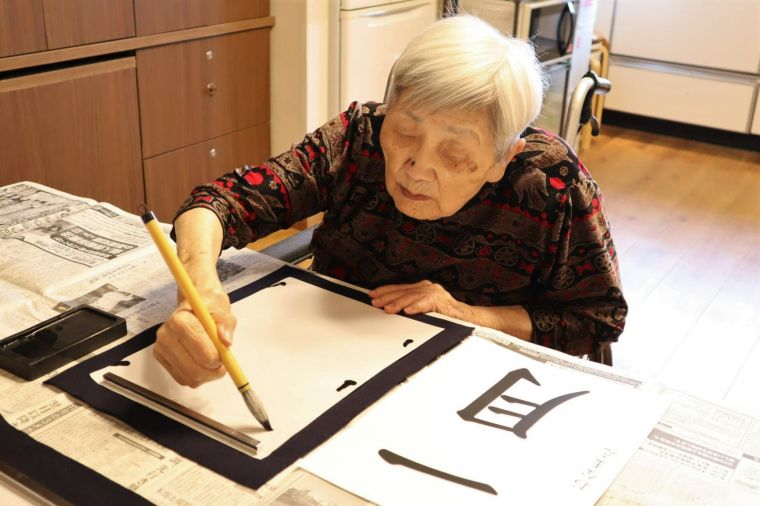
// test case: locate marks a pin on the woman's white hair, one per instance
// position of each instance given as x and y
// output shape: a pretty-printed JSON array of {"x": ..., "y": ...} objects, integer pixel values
[{"x": 465, "y": 64}]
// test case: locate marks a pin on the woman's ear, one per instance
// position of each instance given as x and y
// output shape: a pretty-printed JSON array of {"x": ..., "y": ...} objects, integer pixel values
[
  {"x": 497, "y": 171},
  {"x": 515, "y": 150}
]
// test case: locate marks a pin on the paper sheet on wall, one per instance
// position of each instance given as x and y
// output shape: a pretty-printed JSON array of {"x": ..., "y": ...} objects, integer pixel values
[
  {"x": 584, "y": 31},
  {"x": 298, "y": 344},
  {"x": 486, "y": 425}
]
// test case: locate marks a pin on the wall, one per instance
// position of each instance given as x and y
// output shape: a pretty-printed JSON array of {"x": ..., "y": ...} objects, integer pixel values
[
  {"x": 605, "y": 11},
  {"x": 298, "y": 70}
]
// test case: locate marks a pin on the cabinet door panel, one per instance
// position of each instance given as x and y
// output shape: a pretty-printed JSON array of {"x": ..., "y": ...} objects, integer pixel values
[
  {"x": 75, "y": 130},
  {"x": 201, "y": 89},
  {"x": 722, "y": 35},
  {"x": 75, "y": 22},
  {"x": 170, "y": 177},
  {"x": 22, "y": 27},
  {"x": 691, "y": 98},
  {"x": 154, "y": 16}
]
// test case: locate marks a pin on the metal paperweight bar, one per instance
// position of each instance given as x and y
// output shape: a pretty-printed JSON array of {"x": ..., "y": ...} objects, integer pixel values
[{"x": 215, "y": 426}]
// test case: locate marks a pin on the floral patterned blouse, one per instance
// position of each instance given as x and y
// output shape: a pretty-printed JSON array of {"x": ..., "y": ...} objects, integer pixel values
[{"x": 538, "y": 238}]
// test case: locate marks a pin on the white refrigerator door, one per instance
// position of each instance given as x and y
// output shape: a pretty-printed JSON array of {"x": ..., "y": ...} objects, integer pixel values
[{"x": 370, "y": 42}]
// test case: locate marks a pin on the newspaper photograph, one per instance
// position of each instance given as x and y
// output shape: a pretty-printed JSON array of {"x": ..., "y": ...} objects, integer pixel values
[
  {"x": 28, "y": 205},
  {"x": 69, "y": 239}
]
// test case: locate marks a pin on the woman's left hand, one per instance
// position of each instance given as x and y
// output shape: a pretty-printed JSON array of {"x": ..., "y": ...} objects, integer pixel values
[
  {"x": 421, "y": 297},
  {"x": 426, "y": 296}
]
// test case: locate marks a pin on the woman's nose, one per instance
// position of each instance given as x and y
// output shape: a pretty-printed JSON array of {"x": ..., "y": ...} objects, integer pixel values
[{"x": 419, "y": 167}]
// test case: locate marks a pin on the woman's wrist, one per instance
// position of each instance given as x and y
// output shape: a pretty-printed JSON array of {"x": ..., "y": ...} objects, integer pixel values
[
  {"x": 513, "y": 320},
  {"x": 199, "y": 239}
]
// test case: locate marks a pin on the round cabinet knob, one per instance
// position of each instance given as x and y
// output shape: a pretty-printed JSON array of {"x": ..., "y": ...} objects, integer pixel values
[
  {"x": 212, "y": 152},
  {"x": 211, "y": 89},
  {"x": 209, "y": 55}
]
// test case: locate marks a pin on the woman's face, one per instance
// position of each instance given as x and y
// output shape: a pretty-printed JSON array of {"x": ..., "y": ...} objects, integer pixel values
[{"x": 435, "y": 161}]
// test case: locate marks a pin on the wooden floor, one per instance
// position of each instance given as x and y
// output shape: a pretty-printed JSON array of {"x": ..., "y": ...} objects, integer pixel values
[{"x": 686, "y": 222}]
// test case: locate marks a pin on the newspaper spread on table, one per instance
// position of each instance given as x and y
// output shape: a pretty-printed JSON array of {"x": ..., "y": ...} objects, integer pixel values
[{"x": 58, "y": 251}]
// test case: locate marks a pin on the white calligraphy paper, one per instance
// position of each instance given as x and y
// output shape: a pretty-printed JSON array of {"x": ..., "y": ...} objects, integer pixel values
[
  {"x": 297, "y": 344},
  {"x": 447, "y": 435}
]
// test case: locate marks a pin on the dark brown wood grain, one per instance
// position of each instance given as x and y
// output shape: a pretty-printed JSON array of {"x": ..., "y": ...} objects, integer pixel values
[
  {"x": 178, "y": 106},
  {"x": 153, "y": 16},
  {"x": 22, "y": 27},
  {"x": 75, "y": 130}
]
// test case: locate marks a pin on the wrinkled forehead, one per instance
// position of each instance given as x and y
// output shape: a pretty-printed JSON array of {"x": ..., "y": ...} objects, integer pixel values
[{"x": 453, "y": 123}]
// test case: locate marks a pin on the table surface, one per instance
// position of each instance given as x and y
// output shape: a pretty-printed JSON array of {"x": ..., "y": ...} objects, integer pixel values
[{"x": 692, "y": 421}]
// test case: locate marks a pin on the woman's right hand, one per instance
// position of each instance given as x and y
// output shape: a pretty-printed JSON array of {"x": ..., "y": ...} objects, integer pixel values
[{"x": 185, "y": 350}]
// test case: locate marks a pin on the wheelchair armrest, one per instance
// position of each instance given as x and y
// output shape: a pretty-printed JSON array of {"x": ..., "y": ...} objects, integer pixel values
[{"x": 294, "y": 249}]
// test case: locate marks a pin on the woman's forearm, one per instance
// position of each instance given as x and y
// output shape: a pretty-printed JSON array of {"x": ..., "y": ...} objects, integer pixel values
[
  {"x": 199, "y": 241},
  {"x": 512, "y": 320}
]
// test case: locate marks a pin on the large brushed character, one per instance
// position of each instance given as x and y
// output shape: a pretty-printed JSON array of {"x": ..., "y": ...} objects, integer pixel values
[{"x": 520, "y": 429}]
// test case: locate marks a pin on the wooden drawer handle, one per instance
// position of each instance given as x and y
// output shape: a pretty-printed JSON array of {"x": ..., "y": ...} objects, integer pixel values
[{"x": 211, "y": 89}]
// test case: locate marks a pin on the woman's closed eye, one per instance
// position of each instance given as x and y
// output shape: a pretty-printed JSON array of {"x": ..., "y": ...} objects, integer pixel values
[
  {"x": 405, "y": 135},
  {"x": 454, "y": 158}
]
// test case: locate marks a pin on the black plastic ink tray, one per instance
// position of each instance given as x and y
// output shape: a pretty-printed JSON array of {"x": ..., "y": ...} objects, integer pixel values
[{"x": 59, "y": 340}]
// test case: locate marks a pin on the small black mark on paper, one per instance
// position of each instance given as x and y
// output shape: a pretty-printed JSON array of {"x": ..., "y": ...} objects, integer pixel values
[
  {"x": 122, "y": 362},
  {"x": 394, "y": 458},
  {"x": 279, "y": 283},
  {"x": 408, "y": 342},
  {"x": 346, "y": 384}
]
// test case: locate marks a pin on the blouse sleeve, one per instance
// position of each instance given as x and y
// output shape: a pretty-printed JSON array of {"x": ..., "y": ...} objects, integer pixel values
[
  {"x": 579, "y": 303},
  {"x": 254, "y": 201}
]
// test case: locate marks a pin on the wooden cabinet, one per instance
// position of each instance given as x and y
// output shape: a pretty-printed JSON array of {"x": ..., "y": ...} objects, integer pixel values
[
  {"x": 202, "y": 89},
  {"x": 74, "y": 129},
  {"x": 75, "y": 22},
  {"x": 124, "y": 101},
  {"x": 22, "y": 27},
  {"x": 205, "y": 94},
  {"x": 170, "y": 177},
  {"x": 156, "y": 16}
]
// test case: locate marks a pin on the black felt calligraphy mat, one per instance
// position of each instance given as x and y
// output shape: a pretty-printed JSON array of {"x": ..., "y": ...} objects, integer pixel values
[
  {"x": 55, "y": 476},
  {"x": 218, "y": 456}
]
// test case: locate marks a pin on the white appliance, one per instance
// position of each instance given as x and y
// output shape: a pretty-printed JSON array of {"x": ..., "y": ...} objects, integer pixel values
[
  {"x": 368, "y": 38},
  {"x": 694, "y": 62},
  {"x": 551, "y": 26}
]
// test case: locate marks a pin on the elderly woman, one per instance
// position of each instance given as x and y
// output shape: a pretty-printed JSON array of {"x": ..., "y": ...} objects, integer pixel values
[{"x": 443, "y": 199}]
